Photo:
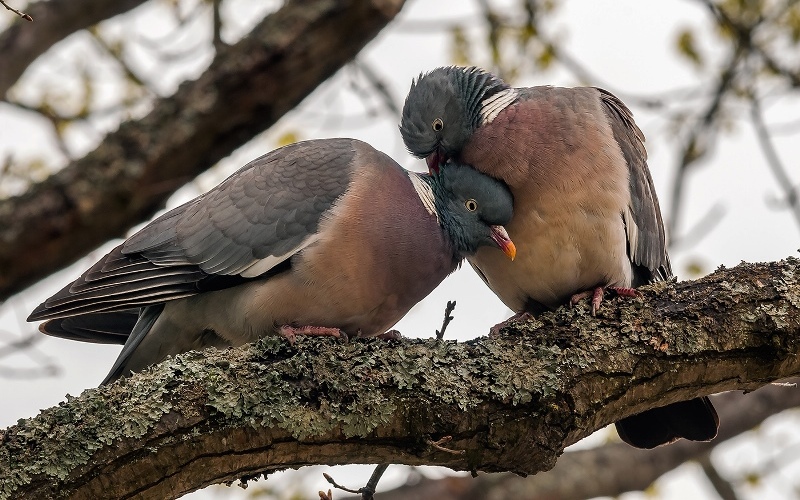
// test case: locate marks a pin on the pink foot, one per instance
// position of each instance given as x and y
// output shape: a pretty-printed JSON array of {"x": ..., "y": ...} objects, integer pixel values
[
  {"x": 597, "y": 295},
  {"x": 289, "y": 332},
  {"x": 624, "y": 292},
  {"x": 523, "y": 316}
]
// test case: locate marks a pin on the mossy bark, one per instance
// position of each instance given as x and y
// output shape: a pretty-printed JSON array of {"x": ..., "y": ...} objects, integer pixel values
[{"x": 511, "y": 402}]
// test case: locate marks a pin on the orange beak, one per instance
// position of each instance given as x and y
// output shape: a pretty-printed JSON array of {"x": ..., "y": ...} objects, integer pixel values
[{"x": 501, "y": 238}]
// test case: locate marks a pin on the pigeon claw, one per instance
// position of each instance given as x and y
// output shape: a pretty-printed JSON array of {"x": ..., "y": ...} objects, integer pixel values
[{"x": 597, "y": 295}]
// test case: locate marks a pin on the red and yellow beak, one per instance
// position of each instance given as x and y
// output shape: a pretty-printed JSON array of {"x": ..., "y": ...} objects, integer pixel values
[{"x": 500, "y": 236}]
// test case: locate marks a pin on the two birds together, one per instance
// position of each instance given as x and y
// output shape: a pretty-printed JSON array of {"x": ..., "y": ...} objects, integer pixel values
[{"x": 333, "y": 237}]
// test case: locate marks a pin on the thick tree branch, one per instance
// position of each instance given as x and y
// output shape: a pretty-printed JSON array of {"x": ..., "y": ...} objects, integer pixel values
[
  {"x": 611, "y": 469},
  {"x": 22, "y": 43},
  {"x": 129, "y": 176},
  {"x": 512, "y": 402}
]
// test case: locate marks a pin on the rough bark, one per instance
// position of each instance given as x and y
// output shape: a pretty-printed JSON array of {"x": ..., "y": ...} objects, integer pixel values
[
  {"x": 511, "y": 402},
  {"x": 608, "y": 470},
  {"x": 129, "y": 176},
  {"x": 22, "y": 42}
]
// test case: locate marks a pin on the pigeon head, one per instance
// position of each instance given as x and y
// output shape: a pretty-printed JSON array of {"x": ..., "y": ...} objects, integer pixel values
[
  {"x": 473, "y": 208},
  {"x": 445, "y": 106}
]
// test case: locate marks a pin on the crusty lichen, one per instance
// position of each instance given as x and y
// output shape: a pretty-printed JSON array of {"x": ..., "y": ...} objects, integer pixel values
[{"x": 512, "y": 401}]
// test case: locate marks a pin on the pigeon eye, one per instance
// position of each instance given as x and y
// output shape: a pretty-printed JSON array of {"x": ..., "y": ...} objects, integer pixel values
[
  {"x": 471, "y": 205},
  {"x": 438, "y": 124}
]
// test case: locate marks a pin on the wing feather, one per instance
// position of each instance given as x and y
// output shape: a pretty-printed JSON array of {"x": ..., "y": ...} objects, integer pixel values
[
  {"x": 248, "y": 227},
  {"x": 647, "y": 247}
]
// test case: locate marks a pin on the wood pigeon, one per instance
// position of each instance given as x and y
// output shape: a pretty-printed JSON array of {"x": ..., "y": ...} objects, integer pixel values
[
  {"x": 586, "y": 216},
  {"x": 324, "y": 237}
]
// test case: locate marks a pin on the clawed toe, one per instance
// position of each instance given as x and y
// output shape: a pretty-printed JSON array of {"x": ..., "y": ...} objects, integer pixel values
[{"x": 597, "y": 295}]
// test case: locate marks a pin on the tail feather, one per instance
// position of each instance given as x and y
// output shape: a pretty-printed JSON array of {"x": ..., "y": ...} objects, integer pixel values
[
  {"x": 147, "y": 318},
  {"x": 101, "y": 328},
  {"x": 695, "y": 420}
]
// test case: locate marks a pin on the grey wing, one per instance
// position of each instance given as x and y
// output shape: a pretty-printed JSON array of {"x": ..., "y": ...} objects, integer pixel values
[
  {"x": 647, "y": 247},
  {"x": 247, "y": 227}
]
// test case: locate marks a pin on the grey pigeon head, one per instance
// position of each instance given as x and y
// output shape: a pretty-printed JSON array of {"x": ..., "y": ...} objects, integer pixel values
[
  {"x": 473, "y": 208},
  {"x": 442, "y": 110}
]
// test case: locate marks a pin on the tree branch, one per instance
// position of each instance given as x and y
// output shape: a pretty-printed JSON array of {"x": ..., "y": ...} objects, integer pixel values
[
  {"x": 130, "y": 175},
  {"x": 512, "y": 402},
  {"x": 611, "y": 469},
  {"x": 22, "y": 43}
]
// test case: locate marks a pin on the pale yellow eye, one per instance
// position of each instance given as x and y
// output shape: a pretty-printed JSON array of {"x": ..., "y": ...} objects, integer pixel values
[
  {"x": 471, "y": 205},
  {"x": 438, "y": 124}
]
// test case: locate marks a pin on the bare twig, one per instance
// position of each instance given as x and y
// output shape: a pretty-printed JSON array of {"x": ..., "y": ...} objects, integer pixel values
[
  {"x": 15, "y": 11},
  {"x": 367, "y": 492},
  {"x": 451, "y": 305},
  {"x": 438, "y": 445},
  {"x": 339, "y": 486}
]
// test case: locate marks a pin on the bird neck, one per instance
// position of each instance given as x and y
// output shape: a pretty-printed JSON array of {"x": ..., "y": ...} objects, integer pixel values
[
  {"x": 453, "y": 231},
  {"x": 485, "y": 95}
]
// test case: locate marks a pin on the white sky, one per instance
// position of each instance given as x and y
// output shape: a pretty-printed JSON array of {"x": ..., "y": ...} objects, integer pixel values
[{"x": 627, "y": 43}]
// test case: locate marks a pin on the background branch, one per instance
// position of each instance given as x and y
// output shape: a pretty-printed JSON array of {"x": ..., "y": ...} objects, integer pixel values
[
  {"x": 248, "y": 86},
  {"x": 22, "y": 43}
]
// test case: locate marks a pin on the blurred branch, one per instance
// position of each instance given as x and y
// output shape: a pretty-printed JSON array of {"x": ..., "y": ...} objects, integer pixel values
[
  {"x": 379, "y": 85},
  {"x": 19, "y": 344},
  {"x": 512, "y": 402},
  {"x": 722, "y": 486},
  {"x": 117, "y": 55},
  {"x": 15, "y": 11},
  {"x": 217, "y": 25},
  {"x": 130, "y": 175},
  {"x": 700, "y": 138},
  {"x": 25, "y": 345},
  {"x": 773, "y": 160},
  {"x": 701, "y": 229},
  {"x": 20, "y": 44},
  {"x": 157, "y": 44},
  {"x": 744, "y": 33}
]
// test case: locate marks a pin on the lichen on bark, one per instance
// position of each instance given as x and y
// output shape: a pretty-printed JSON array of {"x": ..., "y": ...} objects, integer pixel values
[{"x": 512, "y": 402}]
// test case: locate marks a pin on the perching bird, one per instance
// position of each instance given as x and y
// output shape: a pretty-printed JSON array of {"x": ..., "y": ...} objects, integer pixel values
[
  {"x": 586, "y": 216},
  {"x": 318, "y": 237}
]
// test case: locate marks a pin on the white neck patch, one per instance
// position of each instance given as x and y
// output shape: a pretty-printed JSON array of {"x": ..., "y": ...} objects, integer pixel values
[
  {"x": 492, "y": 106},
  {"x": 425, "y": 194}
]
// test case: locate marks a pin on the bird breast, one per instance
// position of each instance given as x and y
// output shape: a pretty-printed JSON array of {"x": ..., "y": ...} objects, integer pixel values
[{"x": 569, "y": 179}]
